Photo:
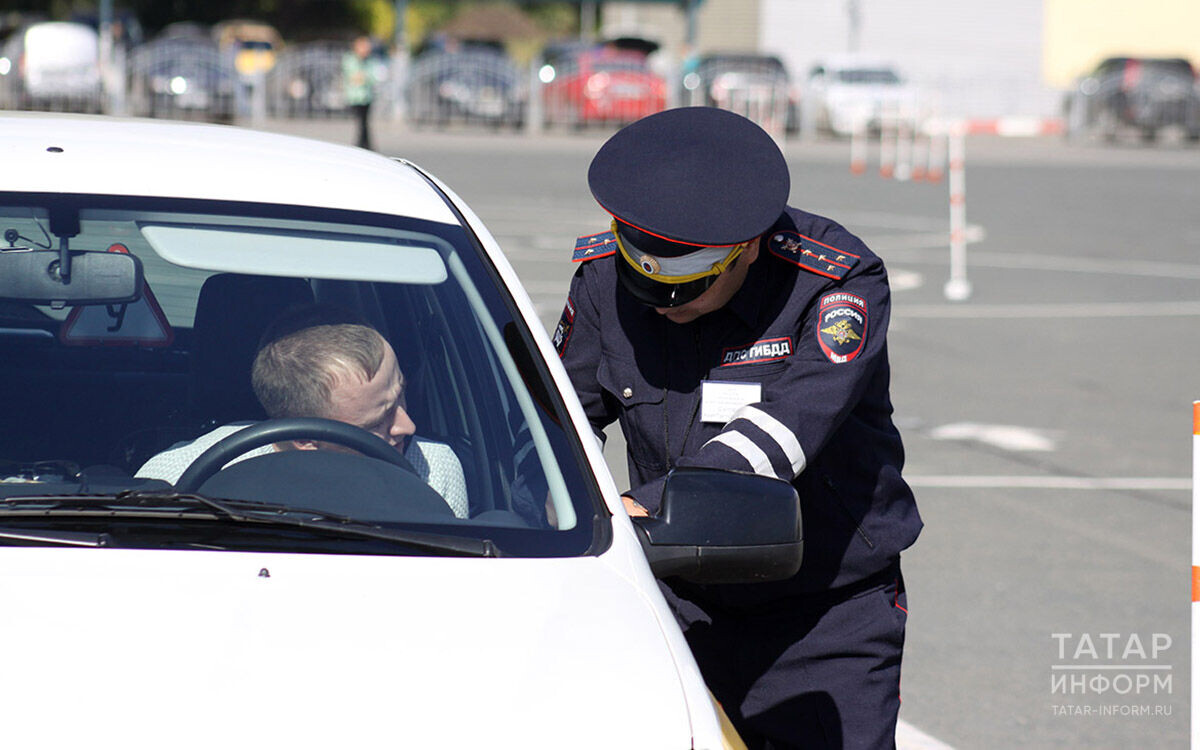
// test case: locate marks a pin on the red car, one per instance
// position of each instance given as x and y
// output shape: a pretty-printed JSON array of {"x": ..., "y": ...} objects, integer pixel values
[{"x": 602, "y": 86}]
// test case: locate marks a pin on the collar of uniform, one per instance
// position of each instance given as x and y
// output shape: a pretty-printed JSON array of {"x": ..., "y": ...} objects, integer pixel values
[{"x": 747, "y": 302}]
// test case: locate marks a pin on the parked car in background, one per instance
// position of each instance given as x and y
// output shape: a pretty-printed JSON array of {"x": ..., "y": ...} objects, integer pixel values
[
  {"x": 317, "y": 598},
  {"x": 754, "y": 86},
  {"x": 602, "y": 85},
  {"x": 307, "y": 80},
  {"x": 844, "y": 93},
  {"x": 53, "y": 65},
  {"x": 182, "y": 75},
  {"x": 1140, "y": 94},
  {"x": 190, "y": 29},
  {"x": 252, "y": 44},
  {"x": 466, "y": 82}
]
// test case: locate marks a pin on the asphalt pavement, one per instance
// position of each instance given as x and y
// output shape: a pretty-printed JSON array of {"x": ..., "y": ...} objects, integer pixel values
[{"x": 1046, "y": 419}]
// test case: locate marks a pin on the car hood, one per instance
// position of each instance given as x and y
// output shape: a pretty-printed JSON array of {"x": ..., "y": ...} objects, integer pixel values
[{"x": 213, "y": 649}]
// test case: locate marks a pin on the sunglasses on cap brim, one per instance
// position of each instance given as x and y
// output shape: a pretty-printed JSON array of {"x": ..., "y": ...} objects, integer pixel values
[{"x": 671, "y": 281}]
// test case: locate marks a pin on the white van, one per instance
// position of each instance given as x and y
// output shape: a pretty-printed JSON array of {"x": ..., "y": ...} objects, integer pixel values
[{"x": 54, "y": 65}]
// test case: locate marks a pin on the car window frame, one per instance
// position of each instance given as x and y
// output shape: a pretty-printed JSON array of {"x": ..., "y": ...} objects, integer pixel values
[{"x": 594, "y": 518}]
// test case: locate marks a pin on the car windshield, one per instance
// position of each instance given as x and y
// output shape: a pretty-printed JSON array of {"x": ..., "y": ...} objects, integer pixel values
[
  {"x": 618, "y": 64},
  {"x": 1181, "y": 68},
  {"x": 868, "y": 76},
  {"x": 107, "y": 403}
]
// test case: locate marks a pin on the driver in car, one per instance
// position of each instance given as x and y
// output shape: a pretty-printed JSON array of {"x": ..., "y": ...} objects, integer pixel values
[{"x": 343, "y": 371}]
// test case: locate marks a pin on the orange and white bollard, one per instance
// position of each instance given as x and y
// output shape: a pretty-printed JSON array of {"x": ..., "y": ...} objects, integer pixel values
[
  {"x": 858, "y": 147},
  {"x": 958, "y": 288},
  {"x": 1195, "y": 574},
  {"x": 905, "y": 131},
  {"x": 920, "y": 149},
  {"x": 887, "y": 142},
  {"x": 937, "y": 151}
]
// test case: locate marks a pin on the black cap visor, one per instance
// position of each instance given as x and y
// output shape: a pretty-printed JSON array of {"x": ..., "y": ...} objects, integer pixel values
[{"x": 657, "y": 294}]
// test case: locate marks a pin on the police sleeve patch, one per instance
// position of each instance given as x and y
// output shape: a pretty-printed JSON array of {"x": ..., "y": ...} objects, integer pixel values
[
  {"x": 592, "y": 246},
  {"x": 811, "y": 255},
  {"x": 766, "y": 350},
  {"x": 562, "y": 332},
  {"x": 842, "y": 326}
]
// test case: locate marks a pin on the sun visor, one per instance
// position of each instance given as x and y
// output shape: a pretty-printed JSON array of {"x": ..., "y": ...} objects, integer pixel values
[{"x": 287, "y": 253}]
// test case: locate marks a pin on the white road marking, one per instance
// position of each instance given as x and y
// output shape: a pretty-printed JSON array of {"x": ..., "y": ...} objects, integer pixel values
[
  {"x": 909, "y": 737},
  {"x": 883, "y": 219},
  {"x": 1066, "y": 310},
  {"x": 883, "y": 245},
  {"x": 1017, "y": 482},
  {"x": 1008, "y": 437},
  {"x": 1087, "y": 265},
  {"x": 901, "y": 281},
  {"x": 933, "y": 254}
]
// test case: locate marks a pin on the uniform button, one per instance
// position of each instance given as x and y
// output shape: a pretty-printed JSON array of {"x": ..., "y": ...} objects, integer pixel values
[{"x": 627, "y": 393}]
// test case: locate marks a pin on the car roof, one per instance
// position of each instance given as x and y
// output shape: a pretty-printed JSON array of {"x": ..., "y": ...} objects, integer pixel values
[
  {"x": 740, "y": 57},
  {"x": 63, "y": 153},
  {"x": 855, "y": 61}
]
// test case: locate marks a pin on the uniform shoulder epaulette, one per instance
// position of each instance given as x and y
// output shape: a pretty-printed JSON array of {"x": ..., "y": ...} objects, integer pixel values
[
  {"x": 592, "y": 246},
  {"x": 811, "y": 255}
]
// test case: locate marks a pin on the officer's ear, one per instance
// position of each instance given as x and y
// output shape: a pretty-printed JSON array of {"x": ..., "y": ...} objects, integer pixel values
[{"x": 750, "y": 250}]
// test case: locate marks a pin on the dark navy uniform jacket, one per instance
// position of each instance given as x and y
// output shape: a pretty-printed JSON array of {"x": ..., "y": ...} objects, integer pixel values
[{"x": 809, "y": 325}]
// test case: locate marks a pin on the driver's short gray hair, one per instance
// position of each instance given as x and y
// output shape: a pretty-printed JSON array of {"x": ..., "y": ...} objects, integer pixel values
[{"x": 293, "y": 376}]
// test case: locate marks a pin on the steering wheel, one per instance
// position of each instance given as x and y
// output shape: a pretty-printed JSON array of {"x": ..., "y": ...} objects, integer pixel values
[{"x": 223, "y": 451}]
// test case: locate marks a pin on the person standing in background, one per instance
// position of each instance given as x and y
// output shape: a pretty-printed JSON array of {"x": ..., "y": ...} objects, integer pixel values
[{"x": 359, "y": 82}]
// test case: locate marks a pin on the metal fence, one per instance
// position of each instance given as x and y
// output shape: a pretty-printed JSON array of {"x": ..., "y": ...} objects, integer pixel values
[
  {"x": 307, "y": 81},
  {"x": 474, "y": 87},
  {"x": 188, "y": 77},
  {"x": 594, "y": 89},
  {"x": 185, "y": 78}
]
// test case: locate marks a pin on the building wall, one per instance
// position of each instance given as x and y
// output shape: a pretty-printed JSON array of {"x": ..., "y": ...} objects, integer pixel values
[
  {"x": 659, "y": 22},
  {"x": 729, "y": 26},
  {"x": 1080, "y": 33},
  {"x": 975, "y": 58},
  {"x": 721, "y": 25}
]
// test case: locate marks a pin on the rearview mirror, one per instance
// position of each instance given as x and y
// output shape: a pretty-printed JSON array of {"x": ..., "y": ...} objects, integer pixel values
[
  {"x": 96, "y": 278},
  {"x": 723, "y": 527}
]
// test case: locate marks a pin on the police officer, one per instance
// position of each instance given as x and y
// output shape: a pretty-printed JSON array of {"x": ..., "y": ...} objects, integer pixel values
[{"x": 724, "y": 329}]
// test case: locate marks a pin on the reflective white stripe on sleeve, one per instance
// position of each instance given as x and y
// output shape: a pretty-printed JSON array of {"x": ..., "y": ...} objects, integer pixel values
[
  {"x": 783, "y": 436},
  {"x": 745, "y": 447}
]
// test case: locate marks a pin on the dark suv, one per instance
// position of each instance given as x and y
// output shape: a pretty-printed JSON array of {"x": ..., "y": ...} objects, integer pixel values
[{"x": 1147, "y": 94}]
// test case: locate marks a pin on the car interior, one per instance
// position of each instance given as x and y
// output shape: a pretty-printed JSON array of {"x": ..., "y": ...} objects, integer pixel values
[{"x": 92, "y": 391}]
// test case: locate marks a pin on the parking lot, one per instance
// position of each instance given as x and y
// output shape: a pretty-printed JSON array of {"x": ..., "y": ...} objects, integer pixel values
[{"x": 1046, "y": 418}]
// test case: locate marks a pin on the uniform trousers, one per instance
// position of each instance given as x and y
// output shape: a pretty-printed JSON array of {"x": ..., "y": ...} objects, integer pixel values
[{"x": 810, "y": 671}]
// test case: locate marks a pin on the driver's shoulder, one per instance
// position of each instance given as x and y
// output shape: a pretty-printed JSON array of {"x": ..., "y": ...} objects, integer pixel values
[
  {"x": 440, "y": 467},
  {"x": 170, "y": 464}
]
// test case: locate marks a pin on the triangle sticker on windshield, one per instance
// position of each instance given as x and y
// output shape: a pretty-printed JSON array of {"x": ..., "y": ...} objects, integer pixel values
[{"x": 139, "y": 323}]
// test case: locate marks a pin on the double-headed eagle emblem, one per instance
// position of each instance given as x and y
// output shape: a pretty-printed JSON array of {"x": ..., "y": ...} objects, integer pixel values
[{"x": 841, "y": 332}]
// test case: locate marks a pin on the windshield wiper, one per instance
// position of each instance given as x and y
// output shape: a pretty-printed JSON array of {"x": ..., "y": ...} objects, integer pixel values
[
  {"x": 243, "y": 511},
  {"x": 69, "y": 538}
]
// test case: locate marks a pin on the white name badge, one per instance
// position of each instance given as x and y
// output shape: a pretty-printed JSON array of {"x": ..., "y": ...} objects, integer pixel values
[{"x": 719, "y": 399}]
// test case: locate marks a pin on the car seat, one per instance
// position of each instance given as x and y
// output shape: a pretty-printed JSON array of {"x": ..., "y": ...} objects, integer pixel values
[{"x": 232, "y": 313}]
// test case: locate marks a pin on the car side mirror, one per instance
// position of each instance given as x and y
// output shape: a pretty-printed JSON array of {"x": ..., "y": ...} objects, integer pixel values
[{"x": 723, "y": 527}]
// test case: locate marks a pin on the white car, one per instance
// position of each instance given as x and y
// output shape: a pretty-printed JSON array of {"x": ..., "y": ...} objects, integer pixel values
[
  {"x": 849, "y": 93},
  {"x": 315, "y": 598}
]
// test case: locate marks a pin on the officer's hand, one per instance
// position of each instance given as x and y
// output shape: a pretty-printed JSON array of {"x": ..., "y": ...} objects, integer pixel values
[{"x": 632, "y": 508}]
